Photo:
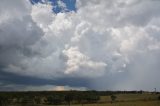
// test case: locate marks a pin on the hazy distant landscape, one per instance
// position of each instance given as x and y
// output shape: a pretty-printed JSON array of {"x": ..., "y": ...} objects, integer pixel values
[{"x": 80, "y": 98}]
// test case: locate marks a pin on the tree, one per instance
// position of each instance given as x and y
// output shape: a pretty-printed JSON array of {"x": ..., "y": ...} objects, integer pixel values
[
  {"x": 113, "y": 98},
  {"x": 50, "y": 100},
  {"x": 79, "y": 97},
  {"x": 37, "y": 100},
  {"x": 3, "y": 101},
  {"x": 158, "y": 97},
  {"x": 57, "y": 100},
  {"x": 69, "y": 98}
]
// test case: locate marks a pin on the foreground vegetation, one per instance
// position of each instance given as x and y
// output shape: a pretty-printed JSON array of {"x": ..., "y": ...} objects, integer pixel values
[{"x": 80, "y": 98}]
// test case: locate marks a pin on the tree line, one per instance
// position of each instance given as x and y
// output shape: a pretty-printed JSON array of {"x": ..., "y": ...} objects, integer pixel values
[
  {"x": 59, "y": 97},
  {"x": 49, "y": 98}
]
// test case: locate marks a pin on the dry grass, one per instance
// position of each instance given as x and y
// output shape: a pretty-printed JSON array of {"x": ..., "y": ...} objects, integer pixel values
[
  {"x": 131, "y": 97},
  {"x": 138, "y": 103},
  {"x": 145, "y": 99}
]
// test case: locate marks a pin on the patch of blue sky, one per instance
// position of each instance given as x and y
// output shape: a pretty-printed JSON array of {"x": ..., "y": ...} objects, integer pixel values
[{"x": 70, "y": 5}]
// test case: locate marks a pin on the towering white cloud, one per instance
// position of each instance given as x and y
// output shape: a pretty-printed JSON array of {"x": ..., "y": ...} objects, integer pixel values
[
  {"x": 79, "y": 62},
  {"x": 102, "y": 38}
]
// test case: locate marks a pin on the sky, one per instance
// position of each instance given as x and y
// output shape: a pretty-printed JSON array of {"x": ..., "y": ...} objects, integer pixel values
[{"x": 79, "y": 45}]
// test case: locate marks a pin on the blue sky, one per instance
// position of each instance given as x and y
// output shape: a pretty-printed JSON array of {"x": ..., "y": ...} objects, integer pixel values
[{"x": 70, "y": 5}]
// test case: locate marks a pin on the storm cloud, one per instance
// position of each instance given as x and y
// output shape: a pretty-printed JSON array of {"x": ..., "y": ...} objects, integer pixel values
[{"x": 103, "y": 44}]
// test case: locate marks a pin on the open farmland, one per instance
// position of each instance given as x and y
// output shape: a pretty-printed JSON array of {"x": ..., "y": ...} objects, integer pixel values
[{"x": 80, "y": 98}]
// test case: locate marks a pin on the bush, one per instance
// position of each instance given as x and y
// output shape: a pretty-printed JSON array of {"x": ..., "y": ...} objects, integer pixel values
[
  {"x": 3, "y": 101},
  {"x": 113, "y": 98}
]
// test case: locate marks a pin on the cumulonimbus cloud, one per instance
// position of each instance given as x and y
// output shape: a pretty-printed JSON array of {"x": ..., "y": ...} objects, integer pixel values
[{"x": 101, "y": 38}]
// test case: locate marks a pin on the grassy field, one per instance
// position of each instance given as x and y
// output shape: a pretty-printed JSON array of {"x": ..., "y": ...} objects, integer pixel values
[
  {"x": 145, "y": 99},
  {"x": 136, "y": 103},
  {"x": 131, "y": 97},
  {"x": 130, "y": 100}
]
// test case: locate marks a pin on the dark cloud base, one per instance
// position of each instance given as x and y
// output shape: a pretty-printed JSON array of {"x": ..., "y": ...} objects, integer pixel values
[{"x": 7, "y": 78}]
